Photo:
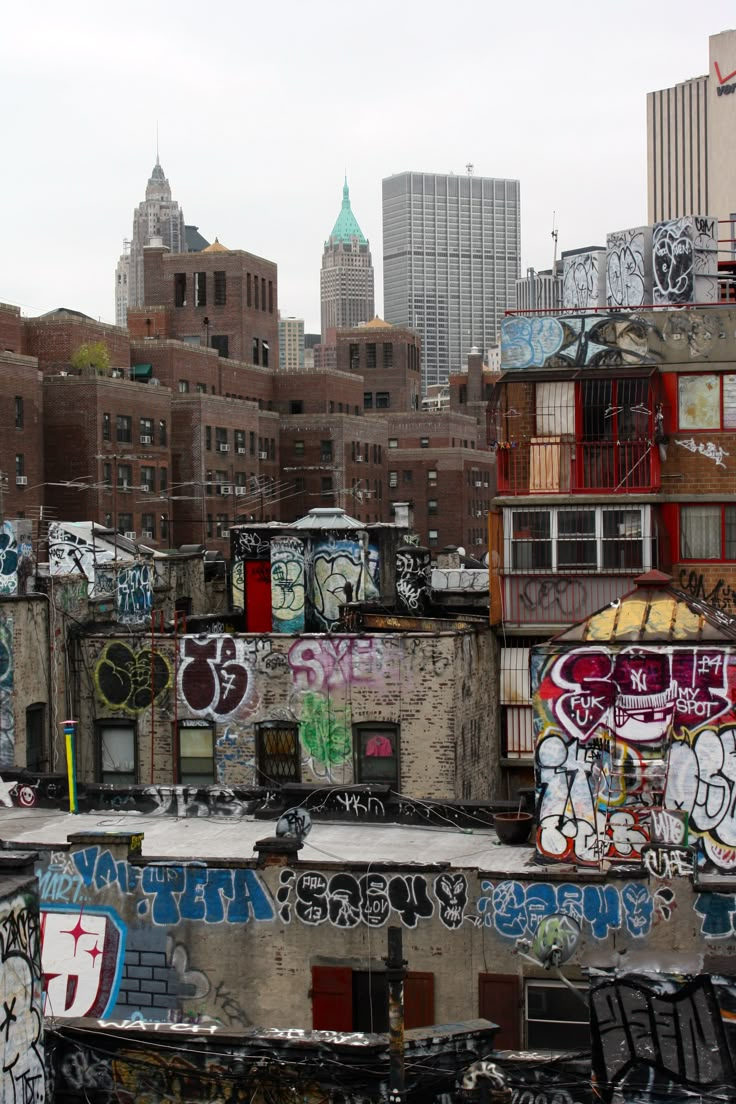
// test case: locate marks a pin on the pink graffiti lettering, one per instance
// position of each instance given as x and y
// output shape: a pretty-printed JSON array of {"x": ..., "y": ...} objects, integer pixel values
[{"x": 321, "y": 665}]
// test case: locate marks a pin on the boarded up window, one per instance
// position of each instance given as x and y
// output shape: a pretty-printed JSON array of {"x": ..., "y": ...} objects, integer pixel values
[
  {"x": 498, "y": 1001},
  {"x": 332, "y": 998},
  {"x": 699, "y": 402},
  {"x": 418, "y": 999}
]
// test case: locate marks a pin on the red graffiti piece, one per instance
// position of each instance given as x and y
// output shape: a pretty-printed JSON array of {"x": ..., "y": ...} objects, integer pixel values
[
  {"x": 700, "y": 679},
  {"x": 212, "y": 679}
]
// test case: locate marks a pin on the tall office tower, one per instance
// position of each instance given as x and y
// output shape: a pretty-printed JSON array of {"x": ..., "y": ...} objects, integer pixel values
[
  {"x": 158, "y": 216},
  {"x": 451, "y": 259},
  {"x": 691, "y": 157},
  {"x": 291, "y": 344},
  {"x": 346, "y": 280},
  {"x": 540, "y": 290}
]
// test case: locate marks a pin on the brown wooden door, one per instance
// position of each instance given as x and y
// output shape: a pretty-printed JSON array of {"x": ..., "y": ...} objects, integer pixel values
[
  {"x": 332, "y": 998},
  {"x": 418, "y": 999},
  {"x": 499, "y": 1002}
]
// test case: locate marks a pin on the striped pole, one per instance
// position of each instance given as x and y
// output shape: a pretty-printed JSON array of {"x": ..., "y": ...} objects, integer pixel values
[{"x": 71, "y": 764}]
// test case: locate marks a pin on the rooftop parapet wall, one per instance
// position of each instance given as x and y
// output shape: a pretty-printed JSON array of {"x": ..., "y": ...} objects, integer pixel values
[{"x": 576, "y": 339}]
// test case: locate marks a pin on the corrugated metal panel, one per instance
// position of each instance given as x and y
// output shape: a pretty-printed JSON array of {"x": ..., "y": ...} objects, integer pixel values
[{"x": 515, "y": 689}]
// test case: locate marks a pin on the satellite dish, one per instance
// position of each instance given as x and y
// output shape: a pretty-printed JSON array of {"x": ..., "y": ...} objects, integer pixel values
[
  {"x": 294, "y": 824},
  {"x": 555, "y": 939}
]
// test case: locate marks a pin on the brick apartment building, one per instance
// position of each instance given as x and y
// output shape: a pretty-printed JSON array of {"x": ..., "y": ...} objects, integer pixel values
[{"x": 389, "y": 360}]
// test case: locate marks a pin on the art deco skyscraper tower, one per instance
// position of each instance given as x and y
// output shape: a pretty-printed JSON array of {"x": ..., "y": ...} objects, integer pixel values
[
  {"x": 346, "y": 282},
  {"x": 158, "y": 216}
]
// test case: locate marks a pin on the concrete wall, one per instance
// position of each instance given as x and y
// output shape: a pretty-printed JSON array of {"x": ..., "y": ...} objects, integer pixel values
[
  {"x": 233, "y": 943},
  {"x": 22, "y": 1073},
  {"x": 437, "y": 688}
]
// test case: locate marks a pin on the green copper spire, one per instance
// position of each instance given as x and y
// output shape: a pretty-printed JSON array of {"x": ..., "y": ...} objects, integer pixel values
[{"x": 346, "y": 228}]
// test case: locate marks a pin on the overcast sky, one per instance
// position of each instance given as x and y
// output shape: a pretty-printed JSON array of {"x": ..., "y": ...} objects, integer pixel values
[{"x": 262, "y": 106}]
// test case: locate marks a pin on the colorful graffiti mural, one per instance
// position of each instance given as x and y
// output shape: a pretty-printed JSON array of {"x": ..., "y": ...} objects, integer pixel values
[
  {"x": 622, "y": 732},
  {"x": 287, "y": 584}
]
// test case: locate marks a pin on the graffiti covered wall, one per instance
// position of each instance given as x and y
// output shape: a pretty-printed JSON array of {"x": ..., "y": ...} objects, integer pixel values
[
  {"x": 435, "y": 690},
  {"x": 625, "y": 732},
  {"x": 22, "y": 1075}
]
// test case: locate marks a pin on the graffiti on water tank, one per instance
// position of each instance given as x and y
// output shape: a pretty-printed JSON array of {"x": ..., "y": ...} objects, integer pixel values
[
  {"x": 134, "y": 592},
  {"x": 287, "y": 584},
  {"x": 338, "y": 576}
]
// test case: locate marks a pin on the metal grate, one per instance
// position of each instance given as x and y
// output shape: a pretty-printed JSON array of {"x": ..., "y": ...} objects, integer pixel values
[{"x": 278, "y": 754}]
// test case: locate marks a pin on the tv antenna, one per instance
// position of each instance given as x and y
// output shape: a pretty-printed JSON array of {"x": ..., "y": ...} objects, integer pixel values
[{"x": 554, "y": 239}]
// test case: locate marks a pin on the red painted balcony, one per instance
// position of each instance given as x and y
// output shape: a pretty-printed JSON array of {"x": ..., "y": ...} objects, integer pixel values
[{"x": 560, "y": 465}]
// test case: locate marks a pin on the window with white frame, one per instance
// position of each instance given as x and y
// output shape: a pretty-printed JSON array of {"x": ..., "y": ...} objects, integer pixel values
[{"x": 578, "y": 538}]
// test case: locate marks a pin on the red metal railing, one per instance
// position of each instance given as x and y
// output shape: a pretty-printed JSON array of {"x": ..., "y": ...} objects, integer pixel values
[{"x": 557, "y": 466}]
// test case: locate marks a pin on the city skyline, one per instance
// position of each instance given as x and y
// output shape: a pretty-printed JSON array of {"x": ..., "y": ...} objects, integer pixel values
[{"x": 84, "y": 162}]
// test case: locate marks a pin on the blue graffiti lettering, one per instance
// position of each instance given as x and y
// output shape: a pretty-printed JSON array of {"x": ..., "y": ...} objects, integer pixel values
[{"x": 515, "y": 909}]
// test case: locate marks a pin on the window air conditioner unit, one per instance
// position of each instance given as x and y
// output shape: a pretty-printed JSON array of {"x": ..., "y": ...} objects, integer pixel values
[
  {"x": 147, "y": 534},
  {"x": 359, "y": 459},
  {"x": 63, "y": 373},
  {"x": 146, "y": 439},
  {"x": 478, "y": 483},
  {"x": 241, "y": 490},
  {"x": 145, "y": 486},
  {"x": 21, "y": 480},
  {"x": 222, "y": 447},
  {"x": 225, "y": 534},
  {"x": 226, "y": 490},
  {"x": 131, "y": 534},
  {"x": 153, "y": 382},
  {"x": 116, "y": 374},
  {"x": 124, "y": 486},
  {"x": 263, "y": 456},
  {"x": 241, "y": 450}
]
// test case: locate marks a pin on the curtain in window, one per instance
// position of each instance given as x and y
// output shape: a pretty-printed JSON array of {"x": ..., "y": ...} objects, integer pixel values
[{"x": 700, "y": 532}]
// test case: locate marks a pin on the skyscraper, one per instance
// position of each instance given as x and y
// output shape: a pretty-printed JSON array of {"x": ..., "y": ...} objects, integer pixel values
[
  {"x": 451, "y": 258},
  {"x": 346, "y": 281},
  {"x": 291, "y": 344},
  {"x": 691, "y": 164},
  {"x": 158, "y": 216}
]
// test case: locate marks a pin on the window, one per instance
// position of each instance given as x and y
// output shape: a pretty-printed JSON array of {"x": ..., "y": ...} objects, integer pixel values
[
  {"x": 20, "y": 464},
  {"x": 220, "y": 342},
  {"x": 117, "y": 753},
  {"x": 344, "y": 999},
  {"x": 257, "y": 296},
  {"x": 377, "y": 754},
  {"x": 125, "y": 477},
  {"x": 148, "y": 527},
  {"x": 298, "y": 448},
  {"x": 162, "y": 432},
  {"x": 164, "y": 527},
  {"x": 146, "y": 430},
  {"x": 256, "y": 345},
  {"x": 706, "y": 401},
  {"x": 208, "y": 438},
  {"x": 708, "y": 532},
  {"x": 393, "y": 479},
  {"x": 19, "y": 412},
  {"x": 388, "y": 354},
  {"x": 221, "y": 439},
  {"x": 124, "y": 428},
  {"x": 248, "y": 289},
  {"x": 296, "y": 406},
  {"x": 270, "y": 296},
  {"x": 263, "y": 293},
  {"x": 220, "y": 289},
  {"x": 125, "y": 523},
  {"x": 326, "y": 486},
  {"x": 105, "y": 427},
  {"x": 252, "y": 444},
  {"x": 180, "y": 289},
  {"x": 463, "y": 393},
  {"x": 148, "y": 478},
  {"x": 424, "y": 442},
  {"x": 221, "y": 525},
  {"x": 201, "y": 388},
  {"x": 277, "y": 753},
  {"x": 383, "y": 400},
  {"x": 196, "y": 755},
  {"x": 354, "y": 357},
  {"x": 107, "y": 474},
  {"x": 432, "y": 506},
  {"x": 367, "y": 400},
  {"x": 393, "y": 442},
  {"x": 183, "y": 387},
  {"x": 240, "y": 441},
  {"x": 571, "y": 539},
  {"x": 163, "y": 479},
  {"x": 35, "y": 725},
  {"x": 432, "y": 476},
  {"x": 433, "y": 537},
  {"x": 556, "y": 1018},
  {"x": 264, "y": 353},
  {"x": 407, "y": 475},
  {"x": 370, "y": 355},
  {"x": 325, "y": 451},
  {"x": 200, "y": 289}
]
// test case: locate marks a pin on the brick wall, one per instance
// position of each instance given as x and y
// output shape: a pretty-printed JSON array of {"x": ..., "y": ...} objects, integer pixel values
[
  {"x": 55, "y": 339},
  {"x": 21, "y": 428},
  {"x": 11, "y": 329},
  {"x": 389, "y": 360}
]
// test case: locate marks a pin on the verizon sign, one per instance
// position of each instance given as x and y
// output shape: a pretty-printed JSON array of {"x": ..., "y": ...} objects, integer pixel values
[{"x": 725, "y": 88}]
